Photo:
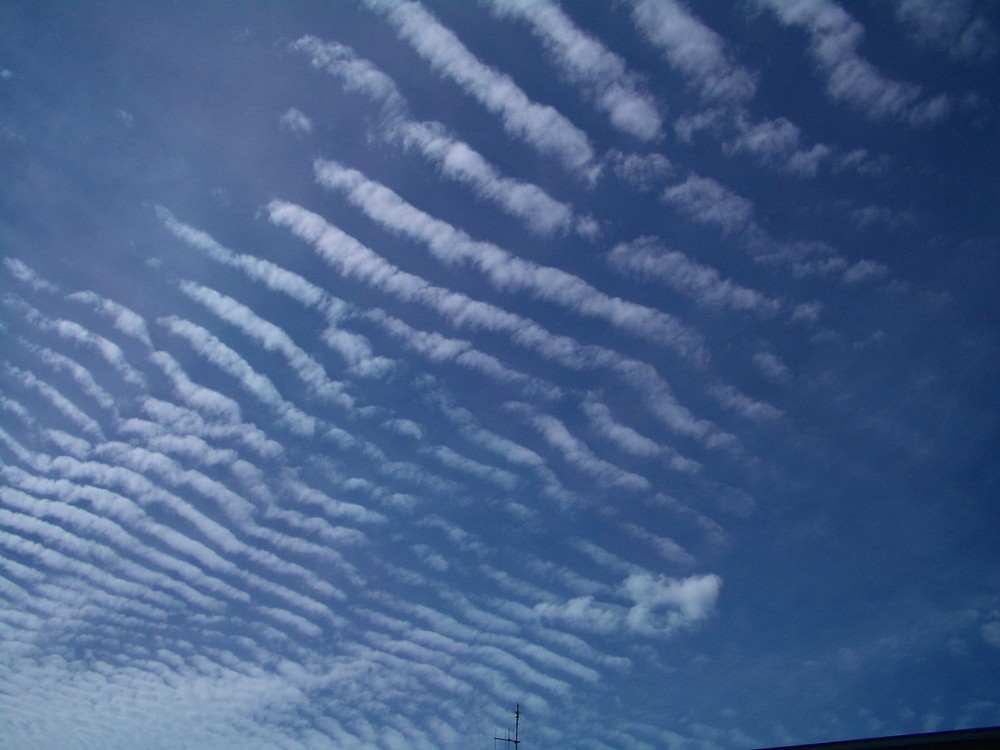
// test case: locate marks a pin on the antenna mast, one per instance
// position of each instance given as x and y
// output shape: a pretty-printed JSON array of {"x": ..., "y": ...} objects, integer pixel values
[{"x": 508, "y": 740}]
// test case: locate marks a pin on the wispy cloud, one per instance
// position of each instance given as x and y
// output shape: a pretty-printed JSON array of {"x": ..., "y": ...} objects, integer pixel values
[
  {"x": 297, "y": 122},
  {"x": 505, "y": 271},
  {"x": 271, "y": 338},
  {"x": 630, "y": 440},
  {"x": 777, "y": 142},
  {"x": 694, "y": 49},
  {"x": 585, "y": 61},
  {"x": 125, "y": 320},
  {"x": 63, "y": 405},
  {"x": 260, "y": 386},
  {"x": 667, "y": 548},
  {"x": 659, "y": 606},
  {"x": 730, "y": 397},
  {"x": 576, "y": 452},
  {"x": 353, "y": 259},
  {"x": 642, "y": 171},
  {"x": 459, "y": 161},
  {"x": 541, "y": 126},
  {"x": 81, "y": 375},
  {"x": 353, "y": 347},
  {"x": 455, "y": 158},
  {"x": 709, "y": 202},
  {"x": 73, "y": 331},
  {"x": 440, "y": 348},
  {"x": 24, "y": 273},
  {"x": 356, "y": 73},
  {"x": 951, "y": 25},
  {"x": 647, "y": 258},
  {"x": 834, "y": 40},
  {"x": 771, "y": 366}
]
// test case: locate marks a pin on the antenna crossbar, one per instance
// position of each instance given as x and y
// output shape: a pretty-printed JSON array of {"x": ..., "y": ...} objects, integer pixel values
[{"x": 508, "y": 740}]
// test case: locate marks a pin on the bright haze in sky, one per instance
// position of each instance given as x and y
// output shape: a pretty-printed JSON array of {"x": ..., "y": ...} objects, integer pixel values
[{"x": 368, "y": 368}]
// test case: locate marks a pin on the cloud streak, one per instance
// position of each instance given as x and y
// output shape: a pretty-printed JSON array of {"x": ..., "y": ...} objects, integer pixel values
[
  {"x": 586, "y": 62},
  {"x": 834, "y": 38},
  {"x": 541, "y": 126},
  {"x": 505, "y": 271},
  {"x": 454, "y": 158}
]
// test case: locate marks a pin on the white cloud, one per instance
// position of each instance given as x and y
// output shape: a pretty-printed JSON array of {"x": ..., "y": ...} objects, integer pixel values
[
  {"x": 778, "y": 143},
  {"x": 459, "y": 161},
  {"x": 577, "y": 453},
  {"x": 834, "y": 40},
  {"x": 126, "y": 118},
  {"x": 630, "y": 440},
  {"x": 63, "y": 405},
  {"x": 694, "y": 49},
  {"x": 271, "y": 275},
  {"x": 505, "y": 271},
  {"x": 211, "y": 403},
  {"x": 865, "y": 270},
  {"x": 663, "y": 605},
  {"x": 730, "y": 397},
  {"x": 455, "y": 158},
  {"x": 646, "y": 258},
  {"x": 708, "y": 202},
  {"x": 226, "y": 359},
  {"x": 539, "y": 125},
  {"x": 660, "y": 606},
  {"x": 125, "y": 320},
  {"x": 24, "y": 273},
  {"x": 73, "y": 331},
  {"x": 667, "y": 548},
  {"x": 951, "y": 25},
  {"x": 990, "y": 632},
  {"x": 440, "y": 348},
  {"x": 352, "y": 259},
  {"x": 356, "y": 73},
  {"x": 772, "y": 367},
  {"x": 271, "y": 338},
  {"x": 297, "y": 122},
  {"x": 641, "y": 171},
  {"x": 80, "y": 375},
  {"x": 585, "y": 61}
]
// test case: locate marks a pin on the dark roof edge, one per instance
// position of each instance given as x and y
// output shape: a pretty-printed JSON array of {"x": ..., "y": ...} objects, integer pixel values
[{"x": 957, "y": 738}]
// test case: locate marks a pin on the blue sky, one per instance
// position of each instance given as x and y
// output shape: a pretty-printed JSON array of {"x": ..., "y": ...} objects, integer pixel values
[{"x": 371, "y": 367}]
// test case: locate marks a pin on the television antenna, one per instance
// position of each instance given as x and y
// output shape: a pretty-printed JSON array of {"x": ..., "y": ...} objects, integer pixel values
[{"x": 508, "y": 740}]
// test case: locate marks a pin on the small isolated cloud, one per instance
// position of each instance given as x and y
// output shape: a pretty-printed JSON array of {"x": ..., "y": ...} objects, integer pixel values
[
  {"x": 807, "y": 312},
  {"x": 664, "y": 605},
  {"x": 126, "y": 118},
  {"x": 660, "y": 606},
  {"x": 991, "y": 633},
  {"x": 25, "y": 274},
  {"x": 777, "y": 143},
  {"x": 708, "y": 202},
  {"x": 641, "y": 171},
  {"x": 865, "y": 270},
  {"x": 5, "y": 74},
  {"x": 771, "y": 367},
  {"x": 871, "y": 216},
  {"x": 949, "y": 25},
  {"x": 646, "y": 258},
  {"x": 294, "y": 121},
  {"x": 750, "y": 408}
]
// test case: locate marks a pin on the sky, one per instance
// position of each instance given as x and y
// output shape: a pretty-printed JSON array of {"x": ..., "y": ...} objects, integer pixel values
[{"x": 370, "y": 368}]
